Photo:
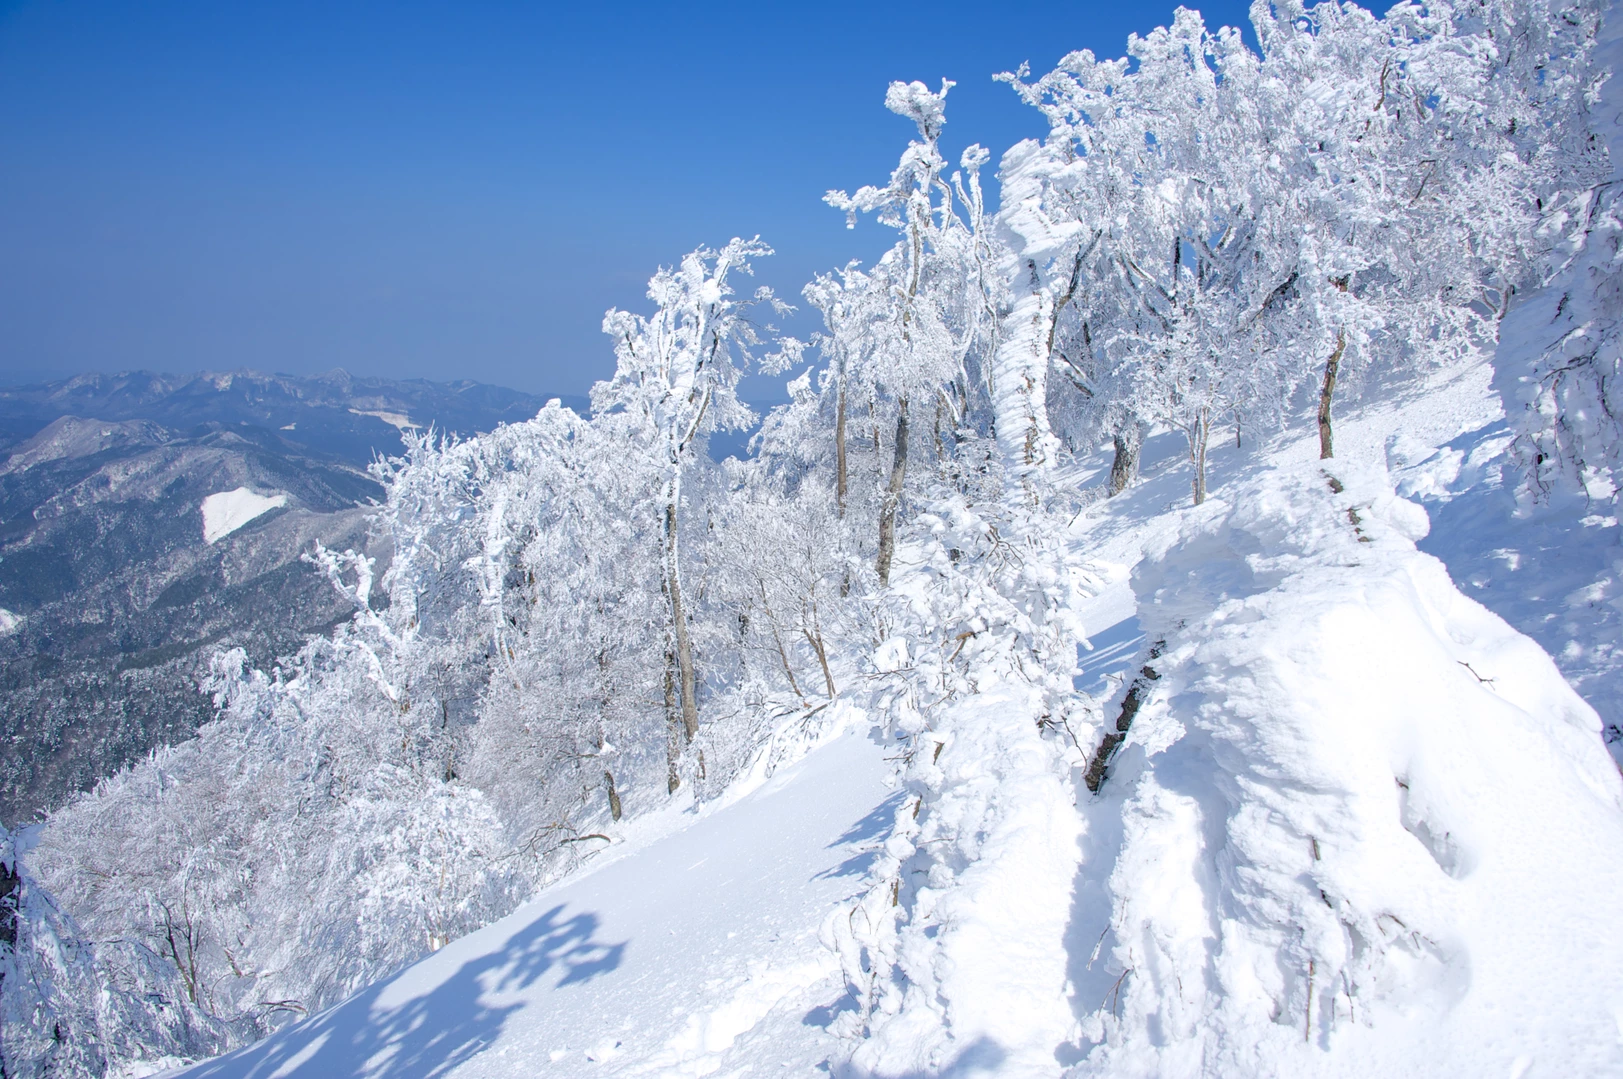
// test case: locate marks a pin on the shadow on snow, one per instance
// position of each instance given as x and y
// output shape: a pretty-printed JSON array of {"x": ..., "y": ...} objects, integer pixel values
[{"x": 434, "y": 1032}]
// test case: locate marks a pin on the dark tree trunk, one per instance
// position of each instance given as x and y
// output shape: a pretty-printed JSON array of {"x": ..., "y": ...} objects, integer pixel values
[
  {"x": 1327, "y": 392},
  {"x": 1129, "y": 440},
  {"x": 893, "y": 497},
  {"x": 673, "y": 726}
]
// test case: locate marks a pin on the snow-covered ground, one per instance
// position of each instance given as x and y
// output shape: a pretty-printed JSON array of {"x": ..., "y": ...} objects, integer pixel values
[
  {"x": 1361, "y": 827},
  {"x": 693, "y": 947},
  {"x": 226, "y": 511},
  {"x": 690, "y": 953}
]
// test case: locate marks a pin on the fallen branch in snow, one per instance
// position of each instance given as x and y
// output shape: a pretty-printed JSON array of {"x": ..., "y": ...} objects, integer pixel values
[{"x": 1130, "y": 705}]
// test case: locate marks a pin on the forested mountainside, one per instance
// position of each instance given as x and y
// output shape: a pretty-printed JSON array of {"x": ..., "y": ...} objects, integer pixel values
[
  {"x": 1298, "y": 832},
  {"x": 114, "y": 589}
]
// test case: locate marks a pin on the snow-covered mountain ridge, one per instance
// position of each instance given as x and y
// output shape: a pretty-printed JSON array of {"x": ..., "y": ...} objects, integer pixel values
[
  {"x": 1101, "y": 514},
  {"x": 1316, "y": 783}
]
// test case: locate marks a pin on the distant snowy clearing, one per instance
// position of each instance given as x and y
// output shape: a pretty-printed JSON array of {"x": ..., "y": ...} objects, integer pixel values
[
  {"x": 227, "y": 511},
  {"x": 394, "y": 419}
]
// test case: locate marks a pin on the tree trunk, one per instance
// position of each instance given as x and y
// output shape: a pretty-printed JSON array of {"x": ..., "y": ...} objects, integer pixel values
[
  {"x": 1197, "y": 454},
  {"x": 839, "y": 451},
  {"x": 614, "y": 795},
  {"x": 1128, "y": 440},
  {"x": 684, "y": 645},
  {"x": 814, "y": 634},
  {"x": 777, "y": 639},
  {"x": 673, "y": 737},
  {"x": 1328, "y": 391},
  {"x": 893, "y": 496}
]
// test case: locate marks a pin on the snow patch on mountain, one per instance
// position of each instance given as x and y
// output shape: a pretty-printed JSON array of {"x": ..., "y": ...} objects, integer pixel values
[
  {"x": 227, "y": 511},
  {"x": 393, "y": 419}
]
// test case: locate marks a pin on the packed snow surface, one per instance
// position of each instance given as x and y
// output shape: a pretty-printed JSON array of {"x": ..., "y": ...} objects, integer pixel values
[
  {"x": 696, "y": 952},
  {"x": 227, "y": 511}
]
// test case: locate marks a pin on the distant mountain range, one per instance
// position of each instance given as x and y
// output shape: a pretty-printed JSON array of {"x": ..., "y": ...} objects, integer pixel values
[
  {"x": 334, "y": 414},
  {"x": 148, "y": 520}
]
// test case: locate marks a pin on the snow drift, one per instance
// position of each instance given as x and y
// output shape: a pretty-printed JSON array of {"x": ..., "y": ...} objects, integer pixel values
[{"x": 1359, "y": 826}]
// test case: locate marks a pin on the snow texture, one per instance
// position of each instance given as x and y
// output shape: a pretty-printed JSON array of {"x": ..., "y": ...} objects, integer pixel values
[
  {"x": 393, "y": 419},
  {"x": 1305, "y": 846},
  {"x": 227, "y": 511}
]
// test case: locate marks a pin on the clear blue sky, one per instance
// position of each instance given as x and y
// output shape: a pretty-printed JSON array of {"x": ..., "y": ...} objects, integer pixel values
[{"x": 452, "y": 190}]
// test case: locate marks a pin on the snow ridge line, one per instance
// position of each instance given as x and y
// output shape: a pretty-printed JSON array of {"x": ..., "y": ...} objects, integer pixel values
[
  {"x": 1319, "y": 839},
  {"x": 951, "y": 953}
]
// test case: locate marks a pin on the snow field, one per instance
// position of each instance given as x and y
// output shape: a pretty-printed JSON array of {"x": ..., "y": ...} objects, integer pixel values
[
  {"x": 226, "y": 511},
  {"x": 984, "y": 976},
  {"x": 1363, "y": 827}
]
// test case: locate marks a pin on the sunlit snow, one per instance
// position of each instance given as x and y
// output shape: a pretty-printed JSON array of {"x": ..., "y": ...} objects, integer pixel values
[
  {"x": 227, "y": 511},
  {"x": 397, "y": 419}
]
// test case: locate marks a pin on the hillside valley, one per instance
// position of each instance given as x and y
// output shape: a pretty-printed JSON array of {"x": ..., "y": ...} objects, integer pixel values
[{"x": 113, "y": 593}]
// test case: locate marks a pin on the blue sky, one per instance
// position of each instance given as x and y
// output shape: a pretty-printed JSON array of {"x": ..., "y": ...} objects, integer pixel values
[{"x": 452, "y": 190}]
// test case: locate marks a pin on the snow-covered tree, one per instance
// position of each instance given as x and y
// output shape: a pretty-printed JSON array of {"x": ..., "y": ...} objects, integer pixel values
[
  {"x": 675, "y": 382},
  {"x": 908, "y": 331},
  {"x": 70, "y": 1006}
]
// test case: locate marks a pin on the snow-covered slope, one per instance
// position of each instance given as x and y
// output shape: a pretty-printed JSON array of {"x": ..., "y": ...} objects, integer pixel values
[
  {"x": 695, "y": 952},
  {"x": 1359, "y": 823},
  {"x": 1360, "y": 826},
  {"x": 226, "y": 511}
]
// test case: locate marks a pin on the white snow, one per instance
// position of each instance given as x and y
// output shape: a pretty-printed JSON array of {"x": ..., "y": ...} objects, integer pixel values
[
  {"x": 9, "y": 622},
  {"x": 1361, "y": 827},
  {"x": 695, "y": 953},
  {"x": 227, "y": 511},
  {"x": 1306, "y": 858},
  {"x": 396, "y": 419}
]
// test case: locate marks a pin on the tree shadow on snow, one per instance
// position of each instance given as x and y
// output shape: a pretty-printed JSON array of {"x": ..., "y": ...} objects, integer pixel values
[
  {"x": 434, "y": 1032},
  {"x": 824, "y": 1014},
  {"x": 1115, "y": 649},
  {"x": 867, "y": 830}
]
